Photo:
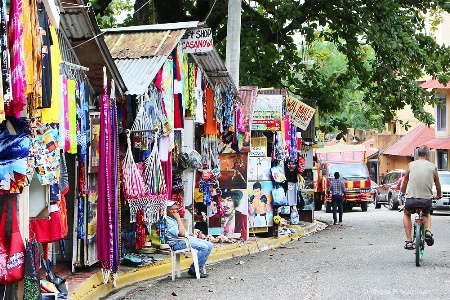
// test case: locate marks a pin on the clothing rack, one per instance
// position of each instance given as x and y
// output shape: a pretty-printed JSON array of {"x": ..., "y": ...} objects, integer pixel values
[
  {"x": 129, "y": 131},
  {"x": 74, "y": 65}
]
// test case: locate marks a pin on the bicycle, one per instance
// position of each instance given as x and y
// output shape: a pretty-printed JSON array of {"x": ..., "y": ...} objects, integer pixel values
[{"x": 419, "y": 236}]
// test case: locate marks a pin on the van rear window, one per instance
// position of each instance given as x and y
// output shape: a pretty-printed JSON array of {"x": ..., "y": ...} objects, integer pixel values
[{"x": 350, "y": 170}]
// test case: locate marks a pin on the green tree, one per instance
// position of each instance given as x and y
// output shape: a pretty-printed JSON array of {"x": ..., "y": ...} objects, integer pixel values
[{"x": 393, "y": 30}]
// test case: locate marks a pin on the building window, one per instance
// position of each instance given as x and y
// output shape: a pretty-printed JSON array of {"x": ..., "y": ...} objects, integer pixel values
[
  {"x": 441, "y": 114},
  {"x": 442, "y": 159}
]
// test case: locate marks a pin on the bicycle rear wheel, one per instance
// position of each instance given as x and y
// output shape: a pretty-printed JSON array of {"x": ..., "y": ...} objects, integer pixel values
[{"x": 419, "y": 244}]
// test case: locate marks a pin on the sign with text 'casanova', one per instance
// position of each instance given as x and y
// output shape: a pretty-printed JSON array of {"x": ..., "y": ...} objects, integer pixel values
[
  {"x": 197, "y": 40},
  {"x": 300, "y": 113}
]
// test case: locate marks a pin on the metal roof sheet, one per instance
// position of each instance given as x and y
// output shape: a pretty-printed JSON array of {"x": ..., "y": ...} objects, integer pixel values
[
  {"x": 156, "y": 42},
  {"x": 406, "y": 145},
  {"x": 434, "y": 84},
  {"x": 126, "y": 45},
  {"x": 80, "y": 27},
  {"x": 438, "y": 143},
  {"x": 138, "y": 74}
]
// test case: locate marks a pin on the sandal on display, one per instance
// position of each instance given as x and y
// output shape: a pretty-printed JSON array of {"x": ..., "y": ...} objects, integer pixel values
[
  {"x": 429, "y": 238},
  {"x": 409, "y": 245}
]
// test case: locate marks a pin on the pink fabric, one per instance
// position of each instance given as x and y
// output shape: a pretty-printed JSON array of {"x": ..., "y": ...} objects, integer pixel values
[
  {"x": 18, "y": 82},
  {"x": 167, "y": 170},
  {"x": 287, "y": 132}
]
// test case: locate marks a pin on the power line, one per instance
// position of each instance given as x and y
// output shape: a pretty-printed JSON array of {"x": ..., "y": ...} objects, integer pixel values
[{"x": 210, "y": 10}]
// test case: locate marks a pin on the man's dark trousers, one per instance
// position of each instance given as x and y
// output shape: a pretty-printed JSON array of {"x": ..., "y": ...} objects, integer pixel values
[{"x": 338, "y": 203}]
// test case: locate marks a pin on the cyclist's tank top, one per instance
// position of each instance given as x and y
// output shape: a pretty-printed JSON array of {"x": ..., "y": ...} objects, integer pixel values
[{"x": 421, "y": 179}]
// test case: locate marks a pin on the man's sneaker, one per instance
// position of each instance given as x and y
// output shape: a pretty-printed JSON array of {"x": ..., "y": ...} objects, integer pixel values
[
  {"x": 192, "y": 273},
  {"x": 429, "y": 238}
]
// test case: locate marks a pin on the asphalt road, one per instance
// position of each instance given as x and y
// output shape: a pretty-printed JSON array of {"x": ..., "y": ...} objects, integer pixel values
[{"x": 362, "y": 259}]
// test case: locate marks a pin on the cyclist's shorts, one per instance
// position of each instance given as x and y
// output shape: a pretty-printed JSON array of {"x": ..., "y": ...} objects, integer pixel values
[{"x": 412, "y": 203}]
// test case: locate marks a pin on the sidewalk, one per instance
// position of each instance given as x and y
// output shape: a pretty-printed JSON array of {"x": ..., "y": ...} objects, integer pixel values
[{"x": 89, "y": 284}]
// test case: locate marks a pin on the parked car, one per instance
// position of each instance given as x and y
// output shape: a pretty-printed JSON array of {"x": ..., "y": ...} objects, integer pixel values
[
  {"x": 373, "y": 189},
  {"x": 443, "y": 204},
  {"x": 387, "y": 191}
]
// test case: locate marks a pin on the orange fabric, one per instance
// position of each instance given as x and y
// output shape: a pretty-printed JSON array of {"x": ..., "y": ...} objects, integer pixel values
[
  {"x": 63, "y": 212},
  {"x": 210, "y": 123}
]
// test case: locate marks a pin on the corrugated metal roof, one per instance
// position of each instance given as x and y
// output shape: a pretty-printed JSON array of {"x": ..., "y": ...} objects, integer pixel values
[
  {"x": 126, "y": 45},
  {"x": 214, "y": 68},
  {"x": 156, "y": 42},
  {"x": 79, "y": 25},
  {"x": 439, "y": 143},
  {"x": 248, "y": 95},
  {"x": 434, "y": 84},
  {"x": 406, "y": 145},
  {"x": 138, "y": 74}
]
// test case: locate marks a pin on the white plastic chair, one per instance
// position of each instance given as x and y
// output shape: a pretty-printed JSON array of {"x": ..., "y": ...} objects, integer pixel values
[{"x": 175, "y": 255}]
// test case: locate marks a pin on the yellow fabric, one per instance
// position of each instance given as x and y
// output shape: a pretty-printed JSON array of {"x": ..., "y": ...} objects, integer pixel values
[
  {"x": 51, "y": 115},
  {"x": 32, "y": 54}
]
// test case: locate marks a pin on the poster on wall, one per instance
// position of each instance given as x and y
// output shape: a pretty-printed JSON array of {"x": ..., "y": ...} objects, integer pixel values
[
  {"x": 229, "y": 217},
  {"x": 91, "y": 220},
  {"x": 267, "y": 112},
  {"x": 259, "y": 168},
  {"x": 260, "y": 209},
  {"x": 233, "y": 170},
  {"x": 308, "y": 197},
  {"x": 94, "y": 148}
]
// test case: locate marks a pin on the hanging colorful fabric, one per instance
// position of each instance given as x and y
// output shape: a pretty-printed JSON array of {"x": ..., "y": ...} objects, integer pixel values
[
  {"x": 107, "y": 215},
  {"x": 162, "y": 229},
  {"x": 140, "y": 229},
  {"x": 14, "y": 149},
  {"x": 31, "y": 290},
  {"x": 15, "y": 34}
]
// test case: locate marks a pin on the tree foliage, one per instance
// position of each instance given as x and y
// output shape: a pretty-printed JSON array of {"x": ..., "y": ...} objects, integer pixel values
[{"x": 386, "y": 46}]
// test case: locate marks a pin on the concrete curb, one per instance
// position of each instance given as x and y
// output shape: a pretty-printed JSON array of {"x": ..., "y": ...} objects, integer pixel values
[{"x": 93, "y": 288}]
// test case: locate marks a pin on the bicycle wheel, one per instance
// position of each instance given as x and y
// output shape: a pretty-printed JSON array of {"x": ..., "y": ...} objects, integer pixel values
[{"x": 419, "y": 243}]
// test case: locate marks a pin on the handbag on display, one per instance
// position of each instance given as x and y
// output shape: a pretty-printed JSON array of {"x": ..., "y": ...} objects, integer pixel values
[
  {"x": 279, "y": 196},
  {"x": 12, "y": 248}
]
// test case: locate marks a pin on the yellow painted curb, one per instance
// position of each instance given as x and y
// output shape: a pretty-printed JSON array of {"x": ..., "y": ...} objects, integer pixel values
[{"x": 93, "y": 288}]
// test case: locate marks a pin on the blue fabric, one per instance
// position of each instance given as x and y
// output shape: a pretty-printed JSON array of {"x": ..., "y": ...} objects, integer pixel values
[
  {"x": 202, "y": 246},
  {"x": 14, "y": 149}
]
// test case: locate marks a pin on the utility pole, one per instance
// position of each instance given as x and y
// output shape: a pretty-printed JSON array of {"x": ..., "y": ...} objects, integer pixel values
[{"x": 233, "y": 54}]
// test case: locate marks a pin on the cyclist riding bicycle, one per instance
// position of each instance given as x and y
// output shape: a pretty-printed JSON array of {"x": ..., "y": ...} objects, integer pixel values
[{"x": 418, "y": 188}]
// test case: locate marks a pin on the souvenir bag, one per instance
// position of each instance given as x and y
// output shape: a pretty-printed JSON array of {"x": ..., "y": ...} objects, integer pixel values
[
  {"x": 279, "y": 196},
  {"x": 12, "y": 248},
  {"x": 155, "y": 182},
  {"x": 134, "y": 188}
]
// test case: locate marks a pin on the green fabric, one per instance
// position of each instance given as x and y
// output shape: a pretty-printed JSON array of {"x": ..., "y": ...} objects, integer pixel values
[{"x": 72, "y": 116}]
